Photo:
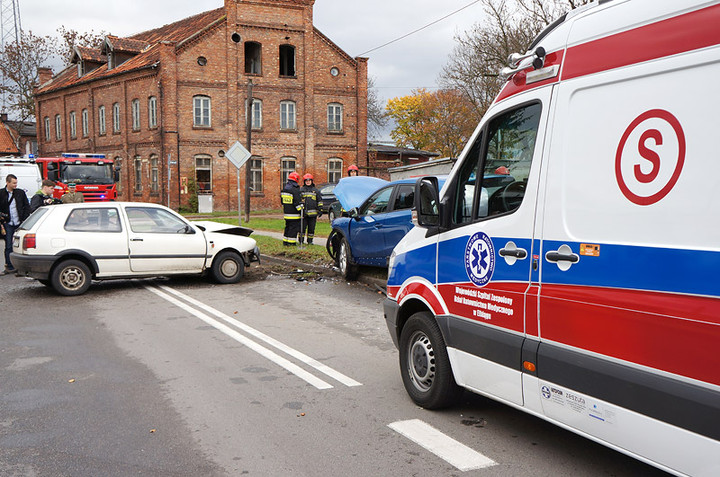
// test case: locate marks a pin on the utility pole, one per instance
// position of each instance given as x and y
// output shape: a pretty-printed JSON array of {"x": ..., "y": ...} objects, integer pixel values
[
  {"x": 10, "y": 32},
  {"x": 248, "y": 146}
]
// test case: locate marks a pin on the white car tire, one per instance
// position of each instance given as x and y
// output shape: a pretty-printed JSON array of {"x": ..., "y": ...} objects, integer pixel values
[
  {"x": 71, "y": 277},
  {"x": 227, "y": 267}
]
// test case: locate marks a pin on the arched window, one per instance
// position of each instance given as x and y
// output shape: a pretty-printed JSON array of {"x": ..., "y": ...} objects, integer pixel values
[
  {"x": 101, "y": 120},
  {"x": 287, "y": 60},
  {"x": 73, "y": 128},
  {"x": 85, "y": 123},
  {"x": 116, "y": 117},
  {"x": 201, "y": 111},
  {"x": 135, "y": 109},
  {"x": 58, "y": 127},
  {"x": 253, "y": 58},
  {"x": 152, "y": 112},
  {"x": 47, "y": 128}
]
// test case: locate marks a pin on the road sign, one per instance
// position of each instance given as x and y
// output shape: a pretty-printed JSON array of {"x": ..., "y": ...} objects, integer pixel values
[{"x": 238, "y": 155}]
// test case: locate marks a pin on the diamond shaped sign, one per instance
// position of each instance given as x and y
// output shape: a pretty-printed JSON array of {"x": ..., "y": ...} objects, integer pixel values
[{"x": 237, "y": 154}]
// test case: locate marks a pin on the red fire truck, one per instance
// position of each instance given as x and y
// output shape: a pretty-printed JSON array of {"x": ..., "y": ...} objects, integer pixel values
[{"x": 93, "y": 175}]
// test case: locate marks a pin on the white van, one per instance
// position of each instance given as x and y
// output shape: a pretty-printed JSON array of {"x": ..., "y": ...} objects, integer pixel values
[
  {"x": 586, "y": 292},
  {"x": 27, "y": 172}
]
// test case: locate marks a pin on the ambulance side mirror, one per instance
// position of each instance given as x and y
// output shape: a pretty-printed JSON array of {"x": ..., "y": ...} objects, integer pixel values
[{"x": 426, "y": 210}]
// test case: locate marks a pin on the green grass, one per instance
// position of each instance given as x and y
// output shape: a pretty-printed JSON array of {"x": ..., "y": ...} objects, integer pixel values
[
  {"x": 322, "y": 229},
  {"x": 231, "y": 213},
  {"x": 315, "y": 254}
]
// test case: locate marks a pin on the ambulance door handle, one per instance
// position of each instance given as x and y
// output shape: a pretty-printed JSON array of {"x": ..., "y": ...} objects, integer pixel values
[
  {"x": 517, "y": 253},
  {"x": 561, "y": 257}
]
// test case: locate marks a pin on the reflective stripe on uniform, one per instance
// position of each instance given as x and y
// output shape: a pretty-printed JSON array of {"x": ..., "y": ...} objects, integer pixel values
[{"x": 291, "y": 216}]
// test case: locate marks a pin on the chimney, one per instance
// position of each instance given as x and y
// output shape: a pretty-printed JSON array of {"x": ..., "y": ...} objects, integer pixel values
[{"x": 44, "y": 75}]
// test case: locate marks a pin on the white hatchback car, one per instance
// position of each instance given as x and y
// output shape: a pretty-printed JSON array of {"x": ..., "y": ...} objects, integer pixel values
[{"x": 67, "y": 246}]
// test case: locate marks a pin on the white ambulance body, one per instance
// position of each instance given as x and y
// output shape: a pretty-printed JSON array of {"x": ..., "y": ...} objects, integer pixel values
[{"x": 587, "y": 292}]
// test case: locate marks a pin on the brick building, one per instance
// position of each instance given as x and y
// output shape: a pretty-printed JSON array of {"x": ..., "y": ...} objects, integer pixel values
[
  {"x": 173, "y": 99},
  {"x": 382, "y": 157}
]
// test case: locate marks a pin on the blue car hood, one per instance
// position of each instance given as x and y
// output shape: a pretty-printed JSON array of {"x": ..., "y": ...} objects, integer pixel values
[{"x": 352, "y": 191}]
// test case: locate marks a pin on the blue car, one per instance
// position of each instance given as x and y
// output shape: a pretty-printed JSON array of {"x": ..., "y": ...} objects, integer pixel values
[{"x": 380, "y": 215}]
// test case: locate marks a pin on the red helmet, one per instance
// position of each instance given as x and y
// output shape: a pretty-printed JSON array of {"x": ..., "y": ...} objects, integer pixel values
[
  {"x": 294, "y": 176},
  {"x": 502, "y": 170},
  {"x": 353, "y": 168},
  {"x": 307, "y": 176}
]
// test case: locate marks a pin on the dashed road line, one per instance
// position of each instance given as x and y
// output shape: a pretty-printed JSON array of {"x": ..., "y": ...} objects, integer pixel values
[{"x": 453, "y": 452}]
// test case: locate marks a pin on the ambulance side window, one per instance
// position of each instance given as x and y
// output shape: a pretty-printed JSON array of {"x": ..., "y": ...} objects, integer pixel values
[{"x": 503, "y": 155}]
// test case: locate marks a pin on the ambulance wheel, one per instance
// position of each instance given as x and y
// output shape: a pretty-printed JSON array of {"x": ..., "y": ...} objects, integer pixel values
[
  {"x": 228, "y": 267},
  {"x": 70, "y": 278},
  {"x": 424, "y": 363},
  {"x": 348, "y": 270}
]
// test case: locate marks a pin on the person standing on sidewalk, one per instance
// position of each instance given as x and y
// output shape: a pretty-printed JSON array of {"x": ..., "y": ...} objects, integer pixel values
[
  {"x": 72, "y": 196},
  {"x": 312, "y": 206},
  {"x": 14, "y": 208},
  {"x": 292, "y": 209}
]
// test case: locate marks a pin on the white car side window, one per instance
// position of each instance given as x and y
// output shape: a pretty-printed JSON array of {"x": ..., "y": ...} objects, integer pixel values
[
  {"x": 151, "y": 220},
  {"x": 93, "y": 220}
]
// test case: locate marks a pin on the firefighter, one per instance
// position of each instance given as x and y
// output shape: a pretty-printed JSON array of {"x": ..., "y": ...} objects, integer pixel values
[
  {"x": 353, "y": 171},
  {"x": 312, "y": 207},
  {"x": 292, "y": 209}
]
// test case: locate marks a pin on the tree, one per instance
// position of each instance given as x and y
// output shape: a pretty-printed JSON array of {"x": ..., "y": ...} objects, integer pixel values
[
  {"x": 71, "y": 38},
  {"x": 19, "y": 62},
  {"x": 441, "y": 121},
  {"x": 377, "y": 119},
  {"x": 481, "y": 52}
]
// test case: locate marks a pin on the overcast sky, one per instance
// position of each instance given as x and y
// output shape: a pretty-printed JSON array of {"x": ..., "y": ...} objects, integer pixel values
[{"x": 355, "y": 26}]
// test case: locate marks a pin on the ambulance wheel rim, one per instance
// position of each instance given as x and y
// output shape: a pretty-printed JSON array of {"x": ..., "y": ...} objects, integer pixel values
[{"x": 421, "y": 361}]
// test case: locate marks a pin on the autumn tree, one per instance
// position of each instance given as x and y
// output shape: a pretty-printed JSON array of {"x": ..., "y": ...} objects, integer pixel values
[
  {"x": 482, "y": 51},
  {"x": 441, "y": 121},
  {"x": 19, "y": 62}
]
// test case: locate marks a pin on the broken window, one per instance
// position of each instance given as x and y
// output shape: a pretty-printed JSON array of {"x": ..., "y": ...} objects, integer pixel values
[
  {"x": 253, "y": 58},
  {"x": 287, "y": 60}
]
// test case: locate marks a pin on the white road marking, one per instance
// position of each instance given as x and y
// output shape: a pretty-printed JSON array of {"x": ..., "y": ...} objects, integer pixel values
[
  {"x": 261, "y": 350},
  {"x": 443, "y": 446},
  {"x": 267, "y": 339}
]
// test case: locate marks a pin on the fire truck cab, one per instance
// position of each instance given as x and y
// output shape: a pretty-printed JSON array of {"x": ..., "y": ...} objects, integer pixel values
[{"x": 93, "y": 175}]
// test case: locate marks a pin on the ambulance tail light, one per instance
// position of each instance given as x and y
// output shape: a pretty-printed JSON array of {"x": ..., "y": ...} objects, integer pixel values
[{"x": 29, "y": 241}]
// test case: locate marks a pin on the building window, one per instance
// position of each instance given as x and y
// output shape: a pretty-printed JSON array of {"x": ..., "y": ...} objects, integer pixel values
[
  {"x": 253, "y": 58},
  {"x": 138, "y": 174},
  {"x": 116, "y": 117},
  {"x": 256, "y": 113},
  {"x": 334, "y": 117},
  {"x": 117, "y": 165},
  {"x": 287, "y": 115},
  {"x": 85, "y": 123},
  {"x": 334, "y": 169},
  {"x": 201, "y": 108},
  {"x": 256, "y": 175},
  {"x": 154, "y": 174},
  {"x": 58, "y": 127},
  {"x": 203, "y": 173},
  {"x": 135, "y": 109},
  {"x": 73, "y": 128},
  {"x": 287, "y": 60},
  {"x": 152, "y": 112},
  {"x": 287, "y": 166},
  {"x": 101, "y": 120},
  {"x": 47, "y": 128}
]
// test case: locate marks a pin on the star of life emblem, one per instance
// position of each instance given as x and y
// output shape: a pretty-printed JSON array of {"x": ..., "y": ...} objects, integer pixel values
[{"x": 480, "y": 259}]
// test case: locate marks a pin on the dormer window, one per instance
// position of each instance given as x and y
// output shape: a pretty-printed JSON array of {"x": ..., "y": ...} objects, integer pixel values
[
  {"x": 111, "y": 63},
  {"x": 81, "y": 69}
]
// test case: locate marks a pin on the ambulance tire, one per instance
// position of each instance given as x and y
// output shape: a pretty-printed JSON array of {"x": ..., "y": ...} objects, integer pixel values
[
  {"x": 227, "y": 267},
  {"x": 70, "y": 278},
  {"x": 345, "y": 261},
  {"x": 424, "y": 363}
]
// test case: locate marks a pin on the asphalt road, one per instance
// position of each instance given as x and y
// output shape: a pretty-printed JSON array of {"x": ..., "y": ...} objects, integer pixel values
[{"x": 272, "y": 376}]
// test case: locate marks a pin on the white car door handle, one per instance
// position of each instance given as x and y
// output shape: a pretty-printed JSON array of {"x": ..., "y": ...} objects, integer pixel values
[{"x": 136, "y": 240}]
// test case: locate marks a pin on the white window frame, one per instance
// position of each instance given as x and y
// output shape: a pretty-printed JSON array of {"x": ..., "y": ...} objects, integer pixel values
[
  {"x": 135, "y": 108},
  {"x": 47, "y": 128},
  {"x": 287, "y": 165},
  {"x": 256, "y": 174},
  {"x": 202, "y": 111},
  {"x": 335, "y": 117},
  {"x": 257, "y": 118},
  {"x": 73, "y": 128},
  {"x": 116, "y": 117},
  {"x": 58, "y": 127},
  {"x": 203, "y": 163},
  {"x": 152, "y": 112},
  {"x": 85, "y": 123},
  {"x": 102, "y": 125},
  {"x": 334, "y": 169},
  {"x": 288, "y": 115}
]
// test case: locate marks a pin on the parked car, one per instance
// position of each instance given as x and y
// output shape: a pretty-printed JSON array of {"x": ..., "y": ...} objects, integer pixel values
[
  {"x": 380, "y": 214},
  {"x": 67, "y": 246},
  {"x": 328, "y": 197}
]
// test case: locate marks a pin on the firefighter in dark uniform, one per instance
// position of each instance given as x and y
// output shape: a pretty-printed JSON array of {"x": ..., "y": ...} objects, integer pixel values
[
  {"x": 312, "y": 205},
  {"x": 353, "y": 170},
  {"x": 292, "y": 209}
]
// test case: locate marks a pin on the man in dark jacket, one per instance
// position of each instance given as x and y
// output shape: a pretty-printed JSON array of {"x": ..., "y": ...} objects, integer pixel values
[
  {"x": 14, "y": 208},
  {"x": 312, "y": 205},
  {"x": 292, "y": 209}
]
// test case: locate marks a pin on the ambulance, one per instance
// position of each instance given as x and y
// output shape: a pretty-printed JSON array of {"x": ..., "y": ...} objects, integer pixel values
[{"x": 586, "y": 290}]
